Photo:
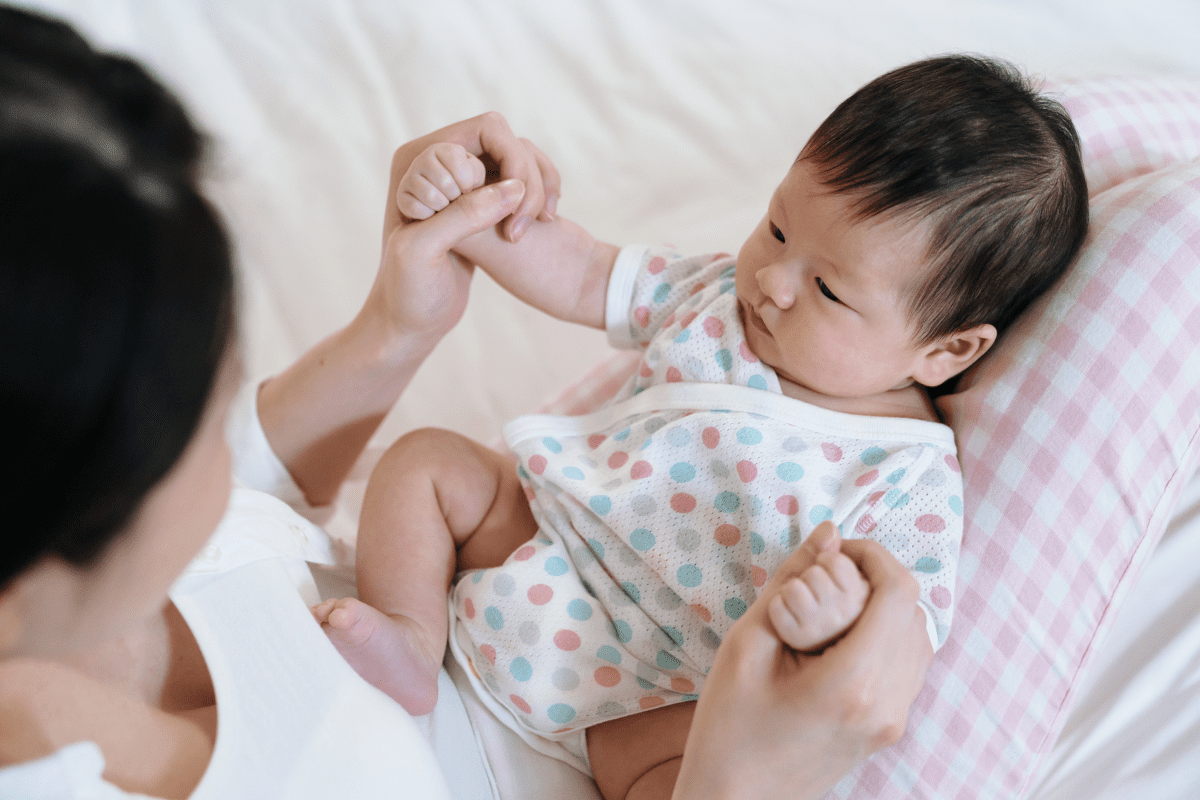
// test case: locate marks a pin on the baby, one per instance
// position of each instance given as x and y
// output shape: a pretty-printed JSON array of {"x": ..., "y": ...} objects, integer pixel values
[{"x": 778, "y": 391}]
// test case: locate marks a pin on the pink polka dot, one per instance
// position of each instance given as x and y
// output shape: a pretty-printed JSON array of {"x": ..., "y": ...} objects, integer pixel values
[
  {"x": 727, "y": 535},
  {"x": 686, "y": 319},
  {"x": 682, "y": 502},
  {"x": 711, "y": 437},
  {"x": 644, "y": 370},
  {"x": 745, "y": 353},
  {"x": 528, "y": 493},
  {"x": 874, "y": 498},
  {"x": 640, "y": 469},
  {"x": 714, "y": 327},
  {"x": 489, "y": 652},
  {"x": 520, "y": 703},
  {"x": 669, "y": 321},
  {"x": 524, "y": 554},
  {"x": 718, "y": 257},
  {"x": 832, "y": 451},
  {"x": 758, "y": 575},
  {"x": 642, "y": 315},
  {"x": 656, "y": 265},
  {"x": 618, "y": 459},
  {"x": 702, "y": 612},
  {"x": 682, "y": 685},
  {"x": 650, "y": 702},
  {"x": 697, "y": 288},
  {"x": 747, "y": 471},
  {"x": 866, "y": 479},
  {"x": 469, "y": 609},
  {"x": 787, "y": 504},
  {"x": 674, "y": 375},
  {"x": 931, "y": 523},
  {"x": 537, "y": 464},
  {"x": 952, "y": 463},
  {"x": 940, "y": 596},
  {"x": 865, "y": 524},
  {"x": 540, "y": 594},
  {"x": 595, "y": 440},
  {"x": 566, "y": 640},
  {"x": 607, "y": 676}
]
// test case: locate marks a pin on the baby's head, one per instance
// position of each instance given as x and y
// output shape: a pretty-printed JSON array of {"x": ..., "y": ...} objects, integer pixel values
[{"x": 926, "y": 212}]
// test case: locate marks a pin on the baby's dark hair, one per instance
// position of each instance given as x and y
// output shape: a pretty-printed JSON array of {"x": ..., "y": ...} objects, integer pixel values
[{"x": 970, "y": 143}]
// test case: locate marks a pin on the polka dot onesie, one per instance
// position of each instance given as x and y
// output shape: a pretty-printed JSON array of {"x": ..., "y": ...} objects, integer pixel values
[{"x": 663, "y": 515}]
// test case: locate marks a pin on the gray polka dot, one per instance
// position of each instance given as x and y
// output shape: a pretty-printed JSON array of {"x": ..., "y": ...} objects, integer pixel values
[
  {"x": 490, "y": 680},
  {"x": 653, "y": 355},
  {"x": 933, "y": 478},
  {"x": 646, "y": 672},
  {"x": 565, "y": 679},
  {"x": 655, "y": 423},
  {"x": 617, "y": 596},
  {"x": 830, "y": 484},
  {"x": 710, "y": 638},
  {"x": 583, "y": 556},
  {"x": 687, "y": 540},
  {"x": 528, "y": 632},
  {"x": 667, "y": 598},
  {"x": 610, "y": 710},
  {"x": 643, "y": 504},
  {"x": 504, "y": 585},
  {"x": 613, "y": 484},
  {"x": 661, "y": 640},
  {"x": 628, "y": 556},
  {"x": 794, "y": 444},
  {"x": 734, "y": 572},
  {"x": 588, "y": 460},
  {"x": 719, "y": 469}
]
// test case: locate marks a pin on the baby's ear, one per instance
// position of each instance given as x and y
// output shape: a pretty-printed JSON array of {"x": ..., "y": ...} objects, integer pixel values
[{"x": 945, "y": 358}]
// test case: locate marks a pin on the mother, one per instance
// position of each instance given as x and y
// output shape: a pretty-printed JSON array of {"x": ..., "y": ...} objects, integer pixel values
[{"x": 120, "y": 370}]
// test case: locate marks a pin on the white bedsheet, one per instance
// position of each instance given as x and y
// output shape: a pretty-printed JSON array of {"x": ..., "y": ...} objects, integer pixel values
[{"x": 670, "y": 120}]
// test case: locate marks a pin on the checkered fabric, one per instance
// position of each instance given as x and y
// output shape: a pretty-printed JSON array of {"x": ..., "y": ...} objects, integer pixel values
[{"x": 1075, "y": 436}]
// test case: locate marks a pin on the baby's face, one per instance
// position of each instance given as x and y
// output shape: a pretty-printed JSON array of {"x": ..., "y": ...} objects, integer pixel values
[{"x": 821, "y": 295}]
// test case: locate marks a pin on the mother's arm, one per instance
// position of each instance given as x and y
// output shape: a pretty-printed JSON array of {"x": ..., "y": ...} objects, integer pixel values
[
  {"x": 319, "y": 413},
  {"x": 773, "y": 723}
]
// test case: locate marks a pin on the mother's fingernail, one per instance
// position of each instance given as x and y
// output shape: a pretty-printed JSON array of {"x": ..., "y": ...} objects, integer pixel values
[
  {"x": 510, "y": 190},
  {"x": 552, "y": 204},
  {"x": 518, "y": 228}
]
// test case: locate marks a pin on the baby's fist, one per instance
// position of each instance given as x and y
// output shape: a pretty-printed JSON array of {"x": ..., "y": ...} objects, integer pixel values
[
  {"x": 820, "y": 604},
  {"x": 437, "y": 177}
]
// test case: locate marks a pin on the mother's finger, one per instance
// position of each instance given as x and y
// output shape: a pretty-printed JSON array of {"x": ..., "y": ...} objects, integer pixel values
[{"x": 551, "y": 181}]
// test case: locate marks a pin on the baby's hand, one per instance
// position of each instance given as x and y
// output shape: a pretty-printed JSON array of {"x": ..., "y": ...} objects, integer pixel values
[
  {"x": 438, "y": 176},
  {"x": 814, "y": 608}
]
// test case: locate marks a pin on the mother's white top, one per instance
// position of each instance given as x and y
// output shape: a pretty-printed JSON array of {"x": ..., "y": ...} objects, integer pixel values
[{"x": 294, "y": 720}]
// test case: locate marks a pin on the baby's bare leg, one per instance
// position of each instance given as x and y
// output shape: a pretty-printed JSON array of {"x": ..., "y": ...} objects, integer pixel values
[
  {"x": 435, "y": 501},
  {"x": 637, "y": 757}
]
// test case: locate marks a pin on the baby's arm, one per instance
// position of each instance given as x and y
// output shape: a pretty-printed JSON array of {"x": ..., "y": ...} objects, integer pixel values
[
  {"x": 817, "y": 606},
  {"x": 555, "y": 266}
]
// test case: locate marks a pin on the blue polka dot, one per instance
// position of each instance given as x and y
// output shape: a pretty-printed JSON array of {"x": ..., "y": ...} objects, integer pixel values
[
  {"x": 641, "y": 539},
  {"x": 727, "y": 502},
  {"x": 683, "y": 336},
  {"x": 757, "y": 382},
  {"x": 724, "y": 359},
  {"x": 476, "y": 576},
  {"x": 735, "y": 607},
  {"x": 819, "y": 514},
  {"x": 639, "y": 390},
  {"x": 689, "y": 575},
  {"x": 560, "y": 713},
  {"x": 789, "y": 471},
  {"x": 955, "y": 504},
  {"x": 896, "y": 476},
  {"x": 646, "y": 443},
  {"x": 645, "y": 684},
  {"x": 610, "y": 654},
  {"x": 679, "y": 437},
  {"x": 579, "y": 609},
  {"x": 728, "y": 272},
  {"x": 727, "y": 287},
  {"x": 928, "y": 564},
  {"x": 873, "y": 455},
  {"x": 675, "y": 634},
  {"x": 632, "y": 591},
  {"x": 621, "y": 630},
  {"x": 552, "y": 444},
  {"x": 597, "y": 548},
  {"x": 683, "y": 472},
  {"x": 895, "y": 498},
  {"x": 495, "y": 619},
  {"x": 621, "y": 436},
  {"x": 661, "y": 293},
  {"x": 749, "y": 436},
  {"x": 757, "y": 545},
  {"x": 520, "y": 669},
  {"x": 574, "y": 473},
  {"x": 601, "y": 504},
  {"x": 556, "y": 565},
  {"x": 667, "y": 661},
  {"x": 524, "y": 475}
]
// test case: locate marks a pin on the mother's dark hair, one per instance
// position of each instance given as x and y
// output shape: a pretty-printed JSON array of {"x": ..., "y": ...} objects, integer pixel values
[{"x": 115, "y": 290}]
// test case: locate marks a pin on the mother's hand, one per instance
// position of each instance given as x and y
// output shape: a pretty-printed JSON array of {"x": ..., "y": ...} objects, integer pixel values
[{"x": 773, "y": 723}]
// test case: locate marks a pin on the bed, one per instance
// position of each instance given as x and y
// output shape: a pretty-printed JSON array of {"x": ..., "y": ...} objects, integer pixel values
[{"x": 673, "y": 121}]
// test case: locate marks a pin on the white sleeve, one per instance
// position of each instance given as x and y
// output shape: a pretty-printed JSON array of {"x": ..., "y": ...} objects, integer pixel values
[{"x": 620, "y": 292}]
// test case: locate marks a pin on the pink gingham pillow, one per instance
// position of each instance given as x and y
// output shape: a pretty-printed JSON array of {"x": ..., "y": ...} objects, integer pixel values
[{"x": 1075, "y": 436}]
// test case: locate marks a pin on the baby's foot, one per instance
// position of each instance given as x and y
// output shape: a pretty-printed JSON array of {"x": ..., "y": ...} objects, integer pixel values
[
  {"x": 390, "y": 653},
  {"x": 814, "y": 608}
]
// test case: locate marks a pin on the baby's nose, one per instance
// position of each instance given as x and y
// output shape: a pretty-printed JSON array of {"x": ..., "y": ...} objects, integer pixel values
[{"x": 778, "y": 284}]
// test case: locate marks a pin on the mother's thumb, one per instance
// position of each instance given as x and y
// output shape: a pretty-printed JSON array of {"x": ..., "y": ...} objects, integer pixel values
[{"x": 469, "y": 214}]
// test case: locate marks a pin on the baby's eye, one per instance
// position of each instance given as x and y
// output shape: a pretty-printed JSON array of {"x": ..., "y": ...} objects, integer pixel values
[
  {"x": 825, "y": 291},
  {"x": 778, "y": 234}
]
